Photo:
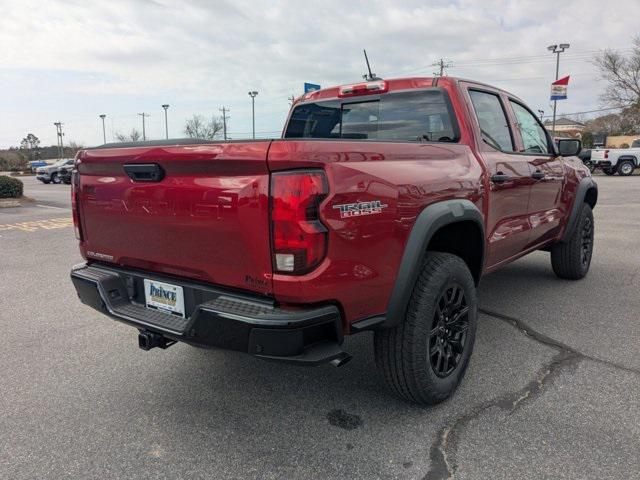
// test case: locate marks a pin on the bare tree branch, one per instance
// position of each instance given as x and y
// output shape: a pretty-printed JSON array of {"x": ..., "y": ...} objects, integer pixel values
[
  {"x": 198, "y": 127},
  {"x": 622, "y": 75},
  {"x": 133, "y": 136}
]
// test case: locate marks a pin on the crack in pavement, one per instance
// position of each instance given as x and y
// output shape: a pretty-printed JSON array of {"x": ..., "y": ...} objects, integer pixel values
[
  {"x": 552, "y": 342},
  {"x": 445, "y": 445}
]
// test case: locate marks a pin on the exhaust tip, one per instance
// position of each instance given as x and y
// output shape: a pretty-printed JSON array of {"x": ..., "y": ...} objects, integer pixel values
[{"x": 341, "y": 359}]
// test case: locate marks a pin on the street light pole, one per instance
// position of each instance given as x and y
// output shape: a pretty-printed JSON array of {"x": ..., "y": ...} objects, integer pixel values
[
  {"x": 253, "y": 94},
  {"x": 104, "y": 132},
  {"x": 557, "y": 49},
  {"x": 166, "y": 123}
]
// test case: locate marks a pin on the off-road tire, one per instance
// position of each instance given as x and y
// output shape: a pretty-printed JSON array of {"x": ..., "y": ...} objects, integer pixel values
[
  {"x": 571, "y": 259},
  {"x": 404, "y": 354},
  {"x": 626, "y": 168}
]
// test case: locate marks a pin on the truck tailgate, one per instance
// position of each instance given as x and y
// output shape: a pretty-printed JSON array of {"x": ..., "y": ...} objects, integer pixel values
[{"x": 207, "y": 219}]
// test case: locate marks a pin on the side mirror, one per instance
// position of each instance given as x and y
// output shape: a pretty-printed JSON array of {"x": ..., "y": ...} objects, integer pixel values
[{"x": 569, "y": 147}]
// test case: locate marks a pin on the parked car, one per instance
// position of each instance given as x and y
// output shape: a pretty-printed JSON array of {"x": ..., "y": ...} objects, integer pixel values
[
  {"x": 64, "y": 174},
  {"x": 49, "y": 173},
  {"x": 621, "y": 160},
  {"x": 381, "y": 208},
  {"x": 34, "y": 164}
]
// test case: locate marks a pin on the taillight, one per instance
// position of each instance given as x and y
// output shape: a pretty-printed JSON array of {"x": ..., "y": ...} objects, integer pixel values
[
  {"x": 367, "y": 88},
  {"x": 75, "y": 189},
  {"x": 606, "y": 154},
  {"x": 299, "y": 238}
]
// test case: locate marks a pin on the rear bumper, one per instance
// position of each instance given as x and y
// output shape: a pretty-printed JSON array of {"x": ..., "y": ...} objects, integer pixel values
[{"x": 215, "y": 317}]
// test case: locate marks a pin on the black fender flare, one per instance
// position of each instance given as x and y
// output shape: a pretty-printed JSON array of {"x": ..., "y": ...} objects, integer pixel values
[
  {"x": 584, "y": 186},
  {"x": 430, "y": 220}
]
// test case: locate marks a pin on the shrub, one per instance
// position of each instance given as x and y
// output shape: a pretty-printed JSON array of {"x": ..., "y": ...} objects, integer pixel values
[
  {"x": 10, "y": 187},
  {"x": 624, "y": 145}
]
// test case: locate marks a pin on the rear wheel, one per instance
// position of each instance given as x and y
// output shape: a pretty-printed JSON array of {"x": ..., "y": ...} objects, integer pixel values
[
  {"x": 590, "y": 165},
  {"x": 425, "y": 357},
  {"x": 625, "y": 168},
  {"x": 571, "y": 259}
]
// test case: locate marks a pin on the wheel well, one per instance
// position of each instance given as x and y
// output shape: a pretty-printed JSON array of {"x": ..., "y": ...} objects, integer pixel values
[
  {"x": 633, "y": 160},
  {"x": 591, "y": 197},
  {"x": 464, "y": 239}
]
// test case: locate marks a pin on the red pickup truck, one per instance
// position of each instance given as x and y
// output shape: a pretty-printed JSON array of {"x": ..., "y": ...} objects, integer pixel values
[{"x": 380, "y": 208}]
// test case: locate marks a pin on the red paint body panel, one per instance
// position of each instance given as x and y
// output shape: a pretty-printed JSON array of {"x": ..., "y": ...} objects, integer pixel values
[{"x": 209, "y": 218}]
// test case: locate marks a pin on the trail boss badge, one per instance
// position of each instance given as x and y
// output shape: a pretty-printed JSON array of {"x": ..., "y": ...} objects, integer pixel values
[{"x": 359, "y": 209}]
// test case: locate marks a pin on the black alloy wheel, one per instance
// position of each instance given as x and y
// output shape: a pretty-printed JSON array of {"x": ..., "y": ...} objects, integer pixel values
[
  {"x": 448, "y": 331},
  {"x": 587, "y": 242}
]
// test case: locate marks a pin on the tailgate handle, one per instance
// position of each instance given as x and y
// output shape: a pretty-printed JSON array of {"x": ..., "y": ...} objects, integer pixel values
[{"x": 144, "y": 172}]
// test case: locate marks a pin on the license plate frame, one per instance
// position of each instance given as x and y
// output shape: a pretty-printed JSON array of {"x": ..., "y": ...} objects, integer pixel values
[{"x": 164, "y": 297}]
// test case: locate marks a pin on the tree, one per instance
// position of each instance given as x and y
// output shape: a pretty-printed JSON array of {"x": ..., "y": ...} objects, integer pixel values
[
  {"x": 198, "y": 127},
  {"x": 133, "y": 136},
  {"x": 31, "y": 144},
  {"x": 622, "y": 75}
]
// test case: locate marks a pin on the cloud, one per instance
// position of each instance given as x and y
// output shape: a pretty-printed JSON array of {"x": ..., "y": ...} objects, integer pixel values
[{"x": 72, "y": 60}]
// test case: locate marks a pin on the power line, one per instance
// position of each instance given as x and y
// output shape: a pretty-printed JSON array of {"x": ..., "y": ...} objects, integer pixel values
[{"x": 590, "y": 111}]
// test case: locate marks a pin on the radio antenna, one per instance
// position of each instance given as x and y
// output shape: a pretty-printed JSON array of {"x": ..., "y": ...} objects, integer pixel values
[{"x": 370, "y": 76}]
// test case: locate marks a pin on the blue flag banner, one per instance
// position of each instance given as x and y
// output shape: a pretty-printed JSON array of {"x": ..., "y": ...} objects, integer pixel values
[{"x": 310, "y": 87}]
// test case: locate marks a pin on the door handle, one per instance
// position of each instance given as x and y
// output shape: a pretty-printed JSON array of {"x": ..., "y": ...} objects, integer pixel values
[
  {"x": 144, "y": 172},
  {"x": 538, "y": 175},
  {"x": 500, "y": 177}
]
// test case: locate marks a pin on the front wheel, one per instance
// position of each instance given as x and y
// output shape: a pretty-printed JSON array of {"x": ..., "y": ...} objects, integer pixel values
[
  {"x": 54, "y": 178},
  {"x": 571, "y": 259},
  {"x": 425, "y": 357}
]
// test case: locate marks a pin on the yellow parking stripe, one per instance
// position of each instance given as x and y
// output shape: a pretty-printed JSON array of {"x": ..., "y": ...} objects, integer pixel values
[{"x": 50, "y": 224}]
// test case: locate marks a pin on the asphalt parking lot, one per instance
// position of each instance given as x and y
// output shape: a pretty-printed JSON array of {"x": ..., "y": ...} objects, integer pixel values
[{"x": 553, "y": 390}]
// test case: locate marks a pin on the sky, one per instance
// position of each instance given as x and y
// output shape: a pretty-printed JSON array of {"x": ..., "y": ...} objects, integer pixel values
[{"x": 72, "y": 60}]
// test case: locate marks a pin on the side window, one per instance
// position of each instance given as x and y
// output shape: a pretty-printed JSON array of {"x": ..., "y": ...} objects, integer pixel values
[
  {"x": 492, "y": 120},
  {"x": 534, "y": 138}
]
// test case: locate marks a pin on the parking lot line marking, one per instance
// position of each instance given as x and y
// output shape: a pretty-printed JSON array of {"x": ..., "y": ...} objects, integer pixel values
[
  {"x": 52, "y": 206},
  {"x": 35, "y": 225}
]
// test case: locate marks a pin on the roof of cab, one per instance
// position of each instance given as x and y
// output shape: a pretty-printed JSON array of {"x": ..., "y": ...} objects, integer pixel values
[{"x": 395, "y": 84}]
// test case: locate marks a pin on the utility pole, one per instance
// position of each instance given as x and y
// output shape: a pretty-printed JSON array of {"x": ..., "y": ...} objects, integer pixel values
[
  {"x": 224, "y": 111},
  {"x": 557, "y": 49},
  {"x": 166, "y": 122},
  {"x": 441, "y": 64},
  {"x": 292, "y": 100},
  {"x": 541, "y": 113},
  {"x": 144, "y": 133},
  {"x": 253, "y": 94},
  {"x": 104, "y": 132},
  {"x": 59, "y": 134}
]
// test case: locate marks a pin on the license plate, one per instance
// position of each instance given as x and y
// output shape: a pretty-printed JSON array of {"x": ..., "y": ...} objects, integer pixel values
[{"x": 164, "y": 297}]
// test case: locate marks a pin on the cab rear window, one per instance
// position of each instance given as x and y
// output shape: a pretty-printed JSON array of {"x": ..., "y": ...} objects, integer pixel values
[{"x": 404, "y": 116}]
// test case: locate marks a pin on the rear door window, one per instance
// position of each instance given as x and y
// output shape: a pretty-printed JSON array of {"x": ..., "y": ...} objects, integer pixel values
[
  {"x": 492, "y": 120},
  {"x": 404, "y": 116}
]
